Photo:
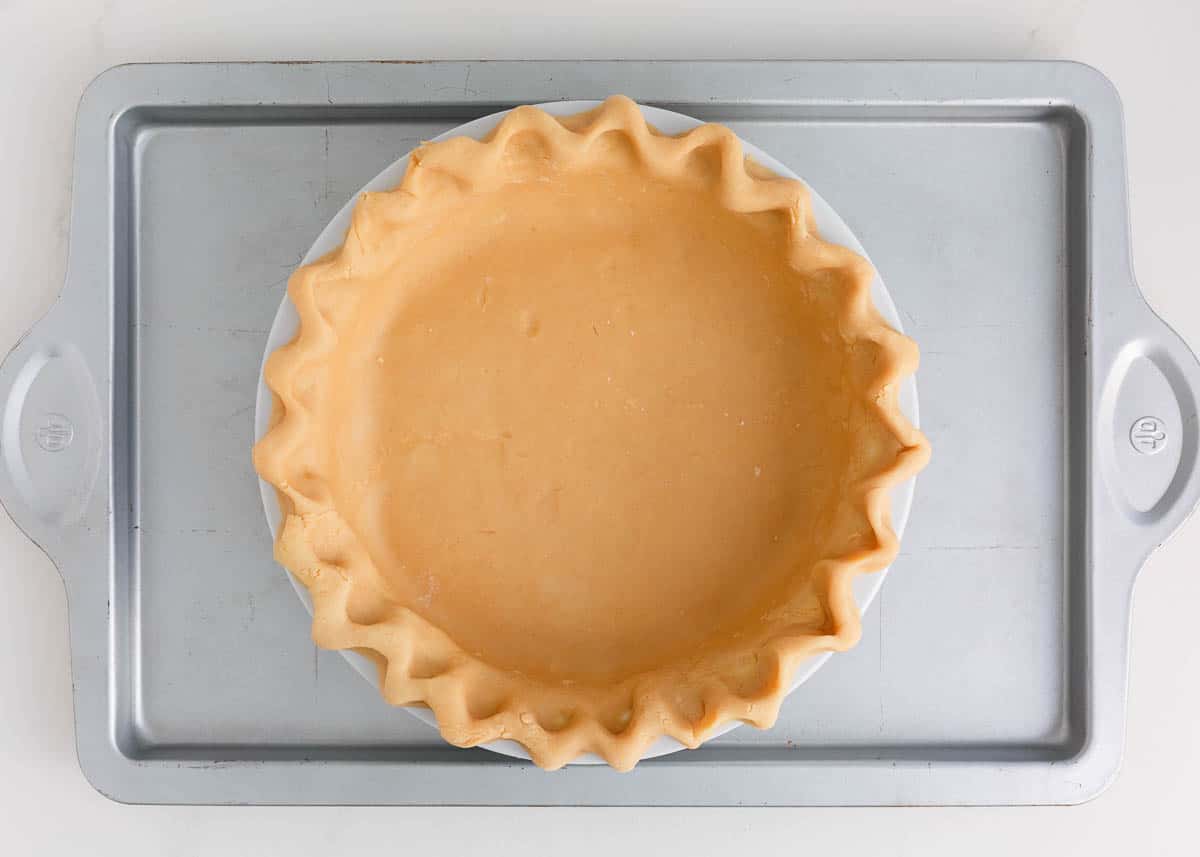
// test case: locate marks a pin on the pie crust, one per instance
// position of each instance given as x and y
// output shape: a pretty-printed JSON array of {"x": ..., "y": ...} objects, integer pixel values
[{"x": 585, "y": 434}]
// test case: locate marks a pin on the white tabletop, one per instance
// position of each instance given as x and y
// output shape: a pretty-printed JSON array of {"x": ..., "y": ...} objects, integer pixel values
[{"x": 50, "y": 49}]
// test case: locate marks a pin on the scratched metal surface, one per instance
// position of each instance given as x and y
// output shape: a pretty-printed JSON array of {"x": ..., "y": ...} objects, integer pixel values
[{"x": 991, "y": 196}]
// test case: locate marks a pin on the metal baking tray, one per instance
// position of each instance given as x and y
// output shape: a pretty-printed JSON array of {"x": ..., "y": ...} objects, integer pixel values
[{"x": 1061, "y": 410}]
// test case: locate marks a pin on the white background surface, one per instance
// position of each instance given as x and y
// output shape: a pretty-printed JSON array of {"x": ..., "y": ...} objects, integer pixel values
[{"x": 49, "y": 50}]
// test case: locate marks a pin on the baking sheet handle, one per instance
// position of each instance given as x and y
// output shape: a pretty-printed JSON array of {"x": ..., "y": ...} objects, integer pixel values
[
  {"x": 50, "y": 429},
  {"x": 1148, "y": 432}
]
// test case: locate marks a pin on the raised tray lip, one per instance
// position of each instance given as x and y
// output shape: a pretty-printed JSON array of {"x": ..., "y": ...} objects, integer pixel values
[{"x": 85, "y": 552}]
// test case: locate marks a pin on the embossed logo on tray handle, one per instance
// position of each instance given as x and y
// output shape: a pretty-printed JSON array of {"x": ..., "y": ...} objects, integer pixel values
[
  {"x": 1148, "y": 435},
  {"x": 55, "y": 432}
]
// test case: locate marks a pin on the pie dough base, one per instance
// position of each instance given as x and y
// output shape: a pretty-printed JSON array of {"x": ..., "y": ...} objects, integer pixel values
[{"x": 585, "y": 433}]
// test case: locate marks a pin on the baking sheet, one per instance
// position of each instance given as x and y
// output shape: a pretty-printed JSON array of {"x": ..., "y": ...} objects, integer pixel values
[{"x": 992, "y": 198}]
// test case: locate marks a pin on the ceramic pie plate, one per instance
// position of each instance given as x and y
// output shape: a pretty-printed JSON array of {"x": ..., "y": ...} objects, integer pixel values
[{"x": 832, "y": 229}]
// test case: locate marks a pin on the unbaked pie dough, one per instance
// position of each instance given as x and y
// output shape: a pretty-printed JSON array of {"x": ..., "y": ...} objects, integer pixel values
[{"x": 584, "y": 435}]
